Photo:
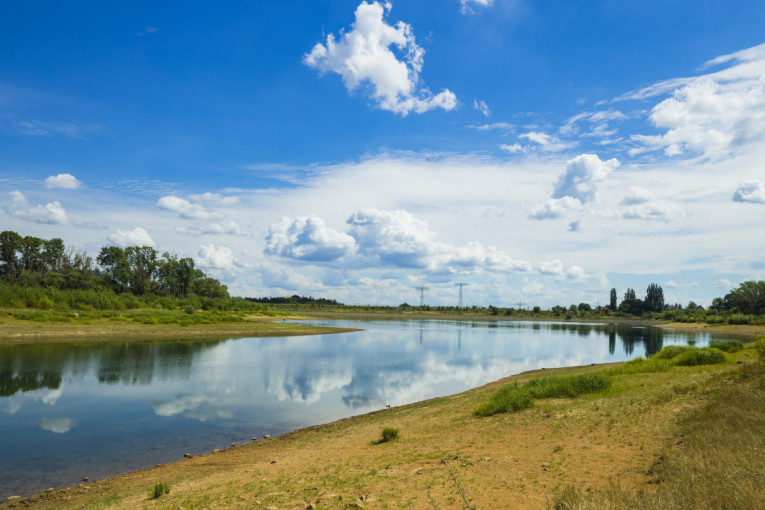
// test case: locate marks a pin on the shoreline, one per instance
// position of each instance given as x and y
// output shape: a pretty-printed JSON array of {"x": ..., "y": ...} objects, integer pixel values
[{"x": 519, "y": 458}]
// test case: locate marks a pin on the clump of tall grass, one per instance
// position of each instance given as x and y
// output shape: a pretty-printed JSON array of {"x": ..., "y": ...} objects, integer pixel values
[
  {"x": 640, "y": 366},
  {"x": 159, "y": 489},
  {"x": 387, "y": 434},
  {"x": 705, "y": 356},
  {"x": 513, "y": 397},
  {"x": 729, "y": 346},
  {"x": 509, "y": 398},
  {"x": 568, "y": 386},
  {"x": 672, "y": 351},
  {"x": 759, "y": 346}
]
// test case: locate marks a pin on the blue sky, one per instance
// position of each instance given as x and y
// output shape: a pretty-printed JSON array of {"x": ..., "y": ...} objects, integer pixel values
[{"x": 542, "y": 152}]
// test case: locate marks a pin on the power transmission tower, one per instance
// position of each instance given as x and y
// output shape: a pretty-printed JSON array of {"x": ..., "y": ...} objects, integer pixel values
[
  {"x": 422, "y": 294},
  {"x": 460, "y": 285}
]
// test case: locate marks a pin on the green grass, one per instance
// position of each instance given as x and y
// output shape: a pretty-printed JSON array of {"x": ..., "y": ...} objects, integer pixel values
[
  {"x": 640, "y": 366},
  {"x": 729, "y": 346},
  {"x": 672, "y": 351},
  {"x": 159, "y": 489},
  {"x": 705, "y": 356},
  {"x": 513, "y": 397}
]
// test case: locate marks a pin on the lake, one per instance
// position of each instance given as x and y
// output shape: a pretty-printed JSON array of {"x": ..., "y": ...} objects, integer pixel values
[{"x": 97, "y": 410}]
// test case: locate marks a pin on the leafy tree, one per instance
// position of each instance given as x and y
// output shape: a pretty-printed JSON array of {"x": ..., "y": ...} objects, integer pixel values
[
  {"x": 537, "y": 310},
  {"x": 10, "y": 244},
  {"x": 143, "y": 262},
  {"x": 584, "y": 307},
  {"x": 612, "y": 305},
  {"x": 629, "y": 295},
  {"x": 748, "y": 298},
  {"x": 654, "y": 298},
  {"x": 116, "y": 268}
]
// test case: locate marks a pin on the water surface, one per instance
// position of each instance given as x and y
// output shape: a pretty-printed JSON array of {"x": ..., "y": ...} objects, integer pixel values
[{"x": 96, "y": 410}]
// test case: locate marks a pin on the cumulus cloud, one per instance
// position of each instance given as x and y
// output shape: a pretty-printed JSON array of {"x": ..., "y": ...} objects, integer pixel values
[
  {"x": 659, "y": 210},
  {"x": 752, "y": 191},
  {"x": 62, "y": 181},
  {"x": 581, "y": 177},
  {"x": 51, "y": 213},
  {"x": 555, "y": 208},
  {"x": 715, "y": 114},
  {"x": 135, "y": 237},
  {"x": 399, "y": 239},
  {"x": 215, "y": 198},
  {"x": 512, "y": 149},
  {"x": 482, "y": 107},
  {"x": 221, "y": 258},
  {"x": 637, "y": 195},
  {"x": 554, "y": 268},
  {"x": 365, "y": 56},
  {"x": 307, "y": 238},
  {"x": 187, "y": 209}
]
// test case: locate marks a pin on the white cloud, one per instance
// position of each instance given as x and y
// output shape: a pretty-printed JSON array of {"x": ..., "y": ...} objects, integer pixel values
[
  {"x": 581, "y": 177},
  {"x": 554, "y": 268},
  {"x": 62, "y": 181},
  {"x": 714, "y": 115},
  {"x": 48, "y": 128},
  {"x": 307, "y": 238},
  {"x": 660, "y": 210},
  {"x": 512, "y": 149},
  {"x": 51, "y": 213},
  {"x": 752, "y": 191},
  {"x": 363, "y": 56},
  {"x": 215, "y": 198},
  {"x": 599, "y": 123},
  {"x": 221, "y": 227},
  {"x": 399, "y": 239},
  {"x": 723, "y": 284},
  {"x": 135, "y": 237},
  {"x": 482, "y": 107},
  {"x": 500, "y": 126},
  {"x": 637, "y": 195},
  {"x": 467, "y": 4},
  {"x": 221, "y": 258},
  {"x": 187, "y": 209},
  {"x": 555, "y": 208},
  {"x": 546, "y": 143}
]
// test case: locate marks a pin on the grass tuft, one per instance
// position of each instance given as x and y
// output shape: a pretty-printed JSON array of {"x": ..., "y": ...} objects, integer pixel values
[
  {"x": 388, "y": 434},
  {"x": 509, "y": 398},
  {"x": 159, "y": 489},
  {"x": 729, "y": 346},
  {"x": 705, "y": 356}
]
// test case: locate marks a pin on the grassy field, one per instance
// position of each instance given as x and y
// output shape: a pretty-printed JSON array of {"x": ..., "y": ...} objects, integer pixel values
[
  {"x": 32, "y": 326},
  {"x": 677, "y": 437}
]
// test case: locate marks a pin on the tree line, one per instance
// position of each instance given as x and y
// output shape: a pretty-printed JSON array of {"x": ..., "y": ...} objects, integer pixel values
[{"x": 30, "y": 261}]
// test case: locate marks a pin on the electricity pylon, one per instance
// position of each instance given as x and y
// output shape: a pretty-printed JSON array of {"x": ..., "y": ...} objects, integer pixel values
[
  {"x": 422, "y": 294},
  {"x": 460, "y": 285}
]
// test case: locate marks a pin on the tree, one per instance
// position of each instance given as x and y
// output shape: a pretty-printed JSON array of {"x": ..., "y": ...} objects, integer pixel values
[
  {"x": 143, "y": 262},
  {"x": 629, "y": 295},
  {"x": 584, "y": 307},
  {"x": 116, "y": 268},
  {"x": 10, "y": 244},
  {"x": 654, "y": 298},
  {"x": 749, "y": 297},
  {"x": 612, "y": 305}
]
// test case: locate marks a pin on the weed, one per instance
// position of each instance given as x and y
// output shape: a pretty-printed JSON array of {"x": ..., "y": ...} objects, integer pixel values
[
  {"x": 509, "y": 398},
  {"x": 159, "y": 489}
]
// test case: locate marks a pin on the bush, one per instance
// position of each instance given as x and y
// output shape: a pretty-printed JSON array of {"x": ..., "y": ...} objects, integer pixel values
[
  {"x": 159, "y": 489},
  {"x": 641, "y": 366},
  {"x": 738, "y": 318},
  {"x": 727, "y": 345},
  {"x": 705, "y": 356},
  {"x": 510, "y": 398}
]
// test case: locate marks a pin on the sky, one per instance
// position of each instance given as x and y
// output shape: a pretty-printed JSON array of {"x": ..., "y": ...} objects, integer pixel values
[{"x": 541, "y": 153}]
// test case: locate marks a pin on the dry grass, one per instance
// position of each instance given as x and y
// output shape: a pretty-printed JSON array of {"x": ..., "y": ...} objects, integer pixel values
[{"x": 718, "y": 463}]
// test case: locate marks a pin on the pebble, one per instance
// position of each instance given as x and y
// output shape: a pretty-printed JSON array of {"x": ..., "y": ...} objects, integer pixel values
[
  {"x": 266, "y": 436},
  {"x": 187, "y": 455}
]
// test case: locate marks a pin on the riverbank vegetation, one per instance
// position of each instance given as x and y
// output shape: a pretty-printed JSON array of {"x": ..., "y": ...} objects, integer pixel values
[{"x": 686, "y": 437}]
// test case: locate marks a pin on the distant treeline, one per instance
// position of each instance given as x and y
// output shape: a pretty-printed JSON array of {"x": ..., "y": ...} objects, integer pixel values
[
  {"x": 295, "y": 300},
  {"x": 45, "y": 273}
]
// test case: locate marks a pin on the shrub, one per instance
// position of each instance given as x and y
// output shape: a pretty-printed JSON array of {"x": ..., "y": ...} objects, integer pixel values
[
  {"x": 509, "y": 398},
  {"x": 705, "y": 356},
  {"x": 738, "y": 318},
  {"x": 159, "y": 489},
  {"x": 727, "y": 345},
  {"x": 641, "y": 366}
]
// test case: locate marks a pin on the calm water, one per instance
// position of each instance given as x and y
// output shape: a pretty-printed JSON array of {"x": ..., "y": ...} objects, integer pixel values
[{"x": 70, "y": 411}]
